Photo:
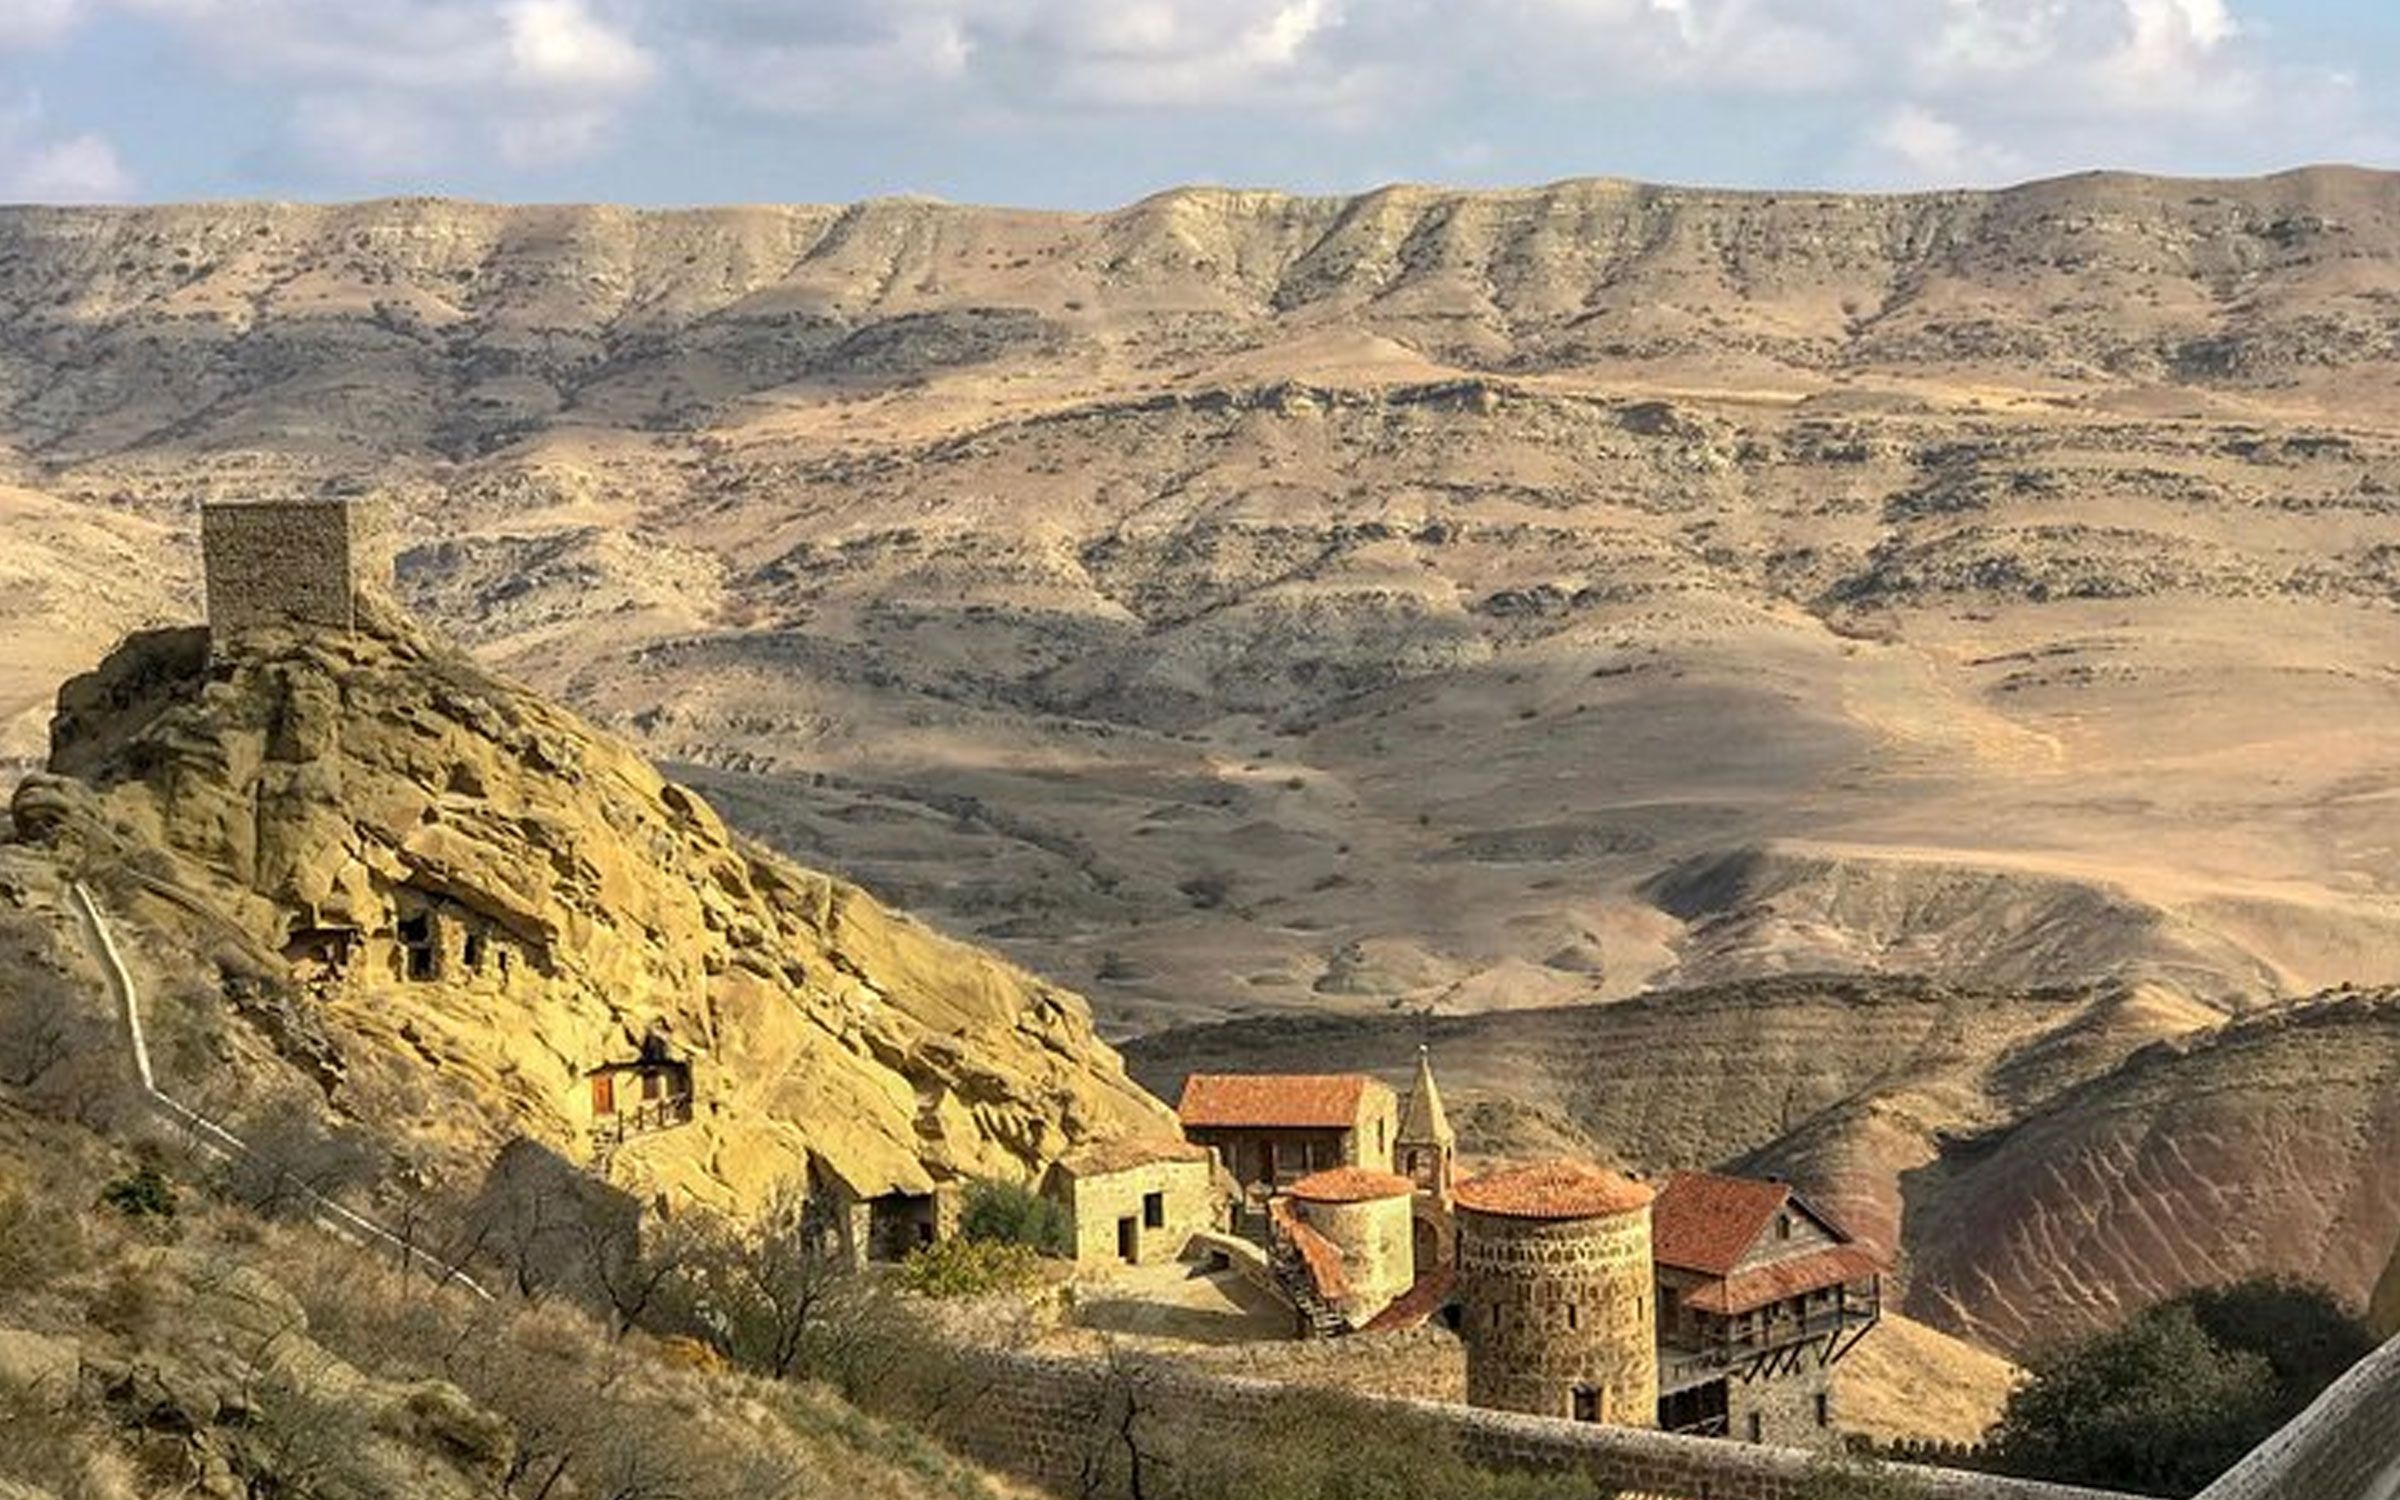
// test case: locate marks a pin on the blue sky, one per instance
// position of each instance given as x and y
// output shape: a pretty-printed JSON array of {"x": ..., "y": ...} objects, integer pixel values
[{"x": 1090, "y": 103}]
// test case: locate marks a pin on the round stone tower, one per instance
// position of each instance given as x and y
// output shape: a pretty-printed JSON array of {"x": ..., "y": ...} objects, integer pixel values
[
  {"x": 1368, "y": 1217},
  {"x": 1556, "y": 1293}
]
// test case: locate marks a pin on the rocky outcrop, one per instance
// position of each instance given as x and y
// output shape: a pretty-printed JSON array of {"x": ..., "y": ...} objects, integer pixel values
[{"x": 482, "y": 903}]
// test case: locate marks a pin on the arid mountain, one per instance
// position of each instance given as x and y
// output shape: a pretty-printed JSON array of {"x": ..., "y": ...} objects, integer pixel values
[
  {"x": 1241, "y": 601},
  {"x": 458, "y": 907},
  {"x": 1334, "y": 612}
]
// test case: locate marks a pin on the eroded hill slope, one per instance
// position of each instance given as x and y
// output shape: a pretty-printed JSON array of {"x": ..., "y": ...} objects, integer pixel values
[{"x": 457, "y": 903}]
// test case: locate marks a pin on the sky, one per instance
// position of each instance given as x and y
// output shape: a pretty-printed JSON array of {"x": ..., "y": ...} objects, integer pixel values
[{"x": 1094, "y": 103}]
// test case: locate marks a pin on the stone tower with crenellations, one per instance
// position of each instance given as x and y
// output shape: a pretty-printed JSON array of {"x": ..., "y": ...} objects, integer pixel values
[{"x": 292, "y": 564}]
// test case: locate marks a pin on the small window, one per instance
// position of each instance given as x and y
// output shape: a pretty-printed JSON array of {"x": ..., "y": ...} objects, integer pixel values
[
  {"x": 474, "y": 951},
  {"x": 1573, "y": 1320},
  {"x": 1783, "y": 1226},
  {"x": 1587, "y": 1404},
  {"x": 1758, "y": 1428},
  {"x": 1824, "y": 1409},
  {"x": 1154, "y": 1210},
  {"x": 418, "y": 941}
]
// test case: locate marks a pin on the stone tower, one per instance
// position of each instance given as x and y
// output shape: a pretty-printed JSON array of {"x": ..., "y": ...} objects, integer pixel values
[
  {"x": 291, "y": 564},
  {"x": 1364, "y": 1214},
  {"x": 1425, "y": 1147},
  {"x": 1556, "y": 1296},
  {"x": 1425, "y": 1150}
]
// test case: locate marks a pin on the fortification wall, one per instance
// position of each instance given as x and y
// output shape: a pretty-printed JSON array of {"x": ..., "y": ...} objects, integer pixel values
[
  {"x": 1088, "y": 1427},
  {"x": 2345, "y": 1447}
]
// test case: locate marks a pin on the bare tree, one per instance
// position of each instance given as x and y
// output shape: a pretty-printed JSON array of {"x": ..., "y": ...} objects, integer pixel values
[{"x": 764, "y": 1294}]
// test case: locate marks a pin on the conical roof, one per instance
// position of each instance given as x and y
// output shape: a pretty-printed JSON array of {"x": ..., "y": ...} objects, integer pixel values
[{"x": 1421, "y": 1118}]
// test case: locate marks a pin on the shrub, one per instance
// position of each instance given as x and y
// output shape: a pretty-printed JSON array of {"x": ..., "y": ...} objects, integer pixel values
[
  {"x": 1842, "y": 1478},
  {"x": 2172, "y": 1398},
  {"x": 970, "y": 1268},
  {"x": 1008, "y": 1214},
  {"x": 143, "y": 1193}
]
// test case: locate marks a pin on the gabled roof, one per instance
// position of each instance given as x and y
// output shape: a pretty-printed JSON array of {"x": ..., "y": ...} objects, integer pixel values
[
  {"x": 1301, "y": 1101},
  {"x": 1778, "y": 1281},
  {"x": 1421, "y": 1117},
  {"x": 1706, "y": 1223}
]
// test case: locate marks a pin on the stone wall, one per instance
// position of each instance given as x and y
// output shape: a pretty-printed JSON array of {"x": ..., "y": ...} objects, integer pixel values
[
  {"x": 1098, "y": 1204},
  {"x": 1099, "y": 1429},
  {"x": 291, "y": 562},
  {"x": 1378, "y": 1257},
  {"x": 2345, "y": 1447},
  {"x": 1784, "y": 1405},
  {"x": 1551, "y": 1308}
]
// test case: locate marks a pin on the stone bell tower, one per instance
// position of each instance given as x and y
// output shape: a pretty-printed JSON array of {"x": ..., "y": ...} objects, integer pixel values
[{"x": 1425, "y": 1151}]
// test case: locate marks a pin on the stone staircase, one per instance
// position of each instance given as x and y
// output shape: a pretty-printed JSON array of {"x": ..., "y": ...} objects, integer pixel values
[{"x": 1318, "y": 1319}]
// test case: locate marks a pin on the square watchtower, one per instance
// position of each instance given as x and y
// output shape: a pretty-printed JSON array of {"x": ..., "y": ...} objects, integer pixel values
[{"x": 291, "y": 564}]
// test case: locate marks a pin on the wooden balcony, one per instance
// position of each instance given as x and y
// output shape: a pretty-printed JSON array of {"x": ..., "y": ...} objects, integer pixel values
[{"x": 1731, "y": 1347}]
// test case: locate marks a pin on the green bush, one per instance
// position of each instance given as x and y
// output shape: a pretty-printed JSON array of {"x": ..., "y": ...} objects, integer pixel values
[
  {"x": 970, "y": 1268},
  {"x": 143, "y": 1193},
  {"x": 1843, "y": 1478},
  {"x": 1006, "y": 1213},
  {"x": 2170, "y": 1400}
]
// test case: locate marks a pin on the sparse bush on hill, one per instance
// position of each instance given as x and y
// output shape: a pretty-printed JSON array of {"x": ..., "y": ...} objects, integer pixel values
[
  {"x": 970, "y": 1268},
  {"x": 2170, "y": 1400},
  {"x": 1008, "y": 1213}
]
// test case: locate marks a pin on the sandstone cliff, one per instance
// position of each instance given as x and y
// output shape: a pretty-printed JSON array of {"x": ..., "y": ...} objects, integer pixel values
[{"x": 479, "y": 902}]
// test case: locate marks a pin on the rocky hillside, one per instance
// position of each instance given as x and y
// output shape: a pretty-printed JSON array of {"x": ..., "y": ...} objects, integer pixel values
[
  {"x": 452, "y": 903},
  {"x": 1242, "y": 601}
]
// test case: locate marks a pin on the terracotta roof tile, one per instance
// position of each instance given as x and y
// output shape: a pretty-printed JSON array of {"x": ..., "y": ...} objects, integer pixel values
[
  {"x": 1320, "y": 1256},
  {"x": 1309, "y": 1101},
  {"x": 1553, "y": 1190},
  {"x": 1778, "y": 1280},
  {"x": 1351, "y": 1185},
  {"x": 1415, "y": 1307},
  {"x": 1706, "y": 1223}
]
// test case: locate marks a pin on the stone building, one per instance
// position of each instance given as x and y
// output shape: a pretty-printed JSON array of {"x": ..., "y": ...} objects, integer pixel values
[
  {"x": 1272, "y": 1129},
  {"x": 1134, "y": 1202},
  {"x": 1425, "y": 1151},
  {"x": 1759, "y": 1296},
  {"x": 1364, "y": 1217},
  {"x": 638, "y": 1095},
  {"x": 1555, "y": 1293},
  {"x": 292, "y": 563}
]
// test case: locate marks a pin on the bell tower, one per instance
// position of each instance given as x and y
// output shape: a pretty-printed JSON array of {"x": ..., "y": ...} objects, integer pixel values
[{"x": 1425, "y": 1148}]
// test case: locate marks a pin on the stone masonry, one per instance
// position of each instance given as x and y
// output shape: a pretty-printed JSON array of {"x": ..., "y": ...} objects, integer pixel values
[
  {"x": 1108, "y": 1429},
  {"x": 1553, "y": 1309},
  {"x": 290, "y": 563}
]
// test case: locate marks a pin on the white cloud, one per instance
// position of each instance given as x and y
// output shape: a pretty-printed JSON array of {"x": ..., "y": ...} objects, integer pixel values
[
  {"x": 1912, "y": 144},
  {"x": 37, "y": 166},
  {"x": 386, "y": 89},
  {"x": 35, "y": 23}
]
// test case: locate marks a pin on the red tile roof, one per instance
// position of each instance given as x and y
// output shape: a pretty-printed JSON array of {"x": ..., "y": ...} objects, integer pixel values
[
  {"x": 1304, "y": 1101},
  {"x": 1778, "y": 1280},
  {"x": 1706, "y": 1223},
  {"x": 1415, "y": 1307},
  {"x": 1552, "y": 1190},
  {"x": 1351, "y": 1185},
  {"x": 1320, "y": 1256}
]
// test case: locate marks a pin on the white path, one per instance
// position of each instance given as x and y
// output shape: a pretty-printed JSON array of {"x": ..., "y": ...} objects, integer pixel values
[{"x": 211, "y": 1137}]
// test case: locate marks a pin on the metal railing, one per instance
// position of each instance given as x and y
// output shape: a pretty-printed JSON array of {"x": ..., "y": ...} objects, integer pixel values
[{"x": 645, "y": 1118}]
